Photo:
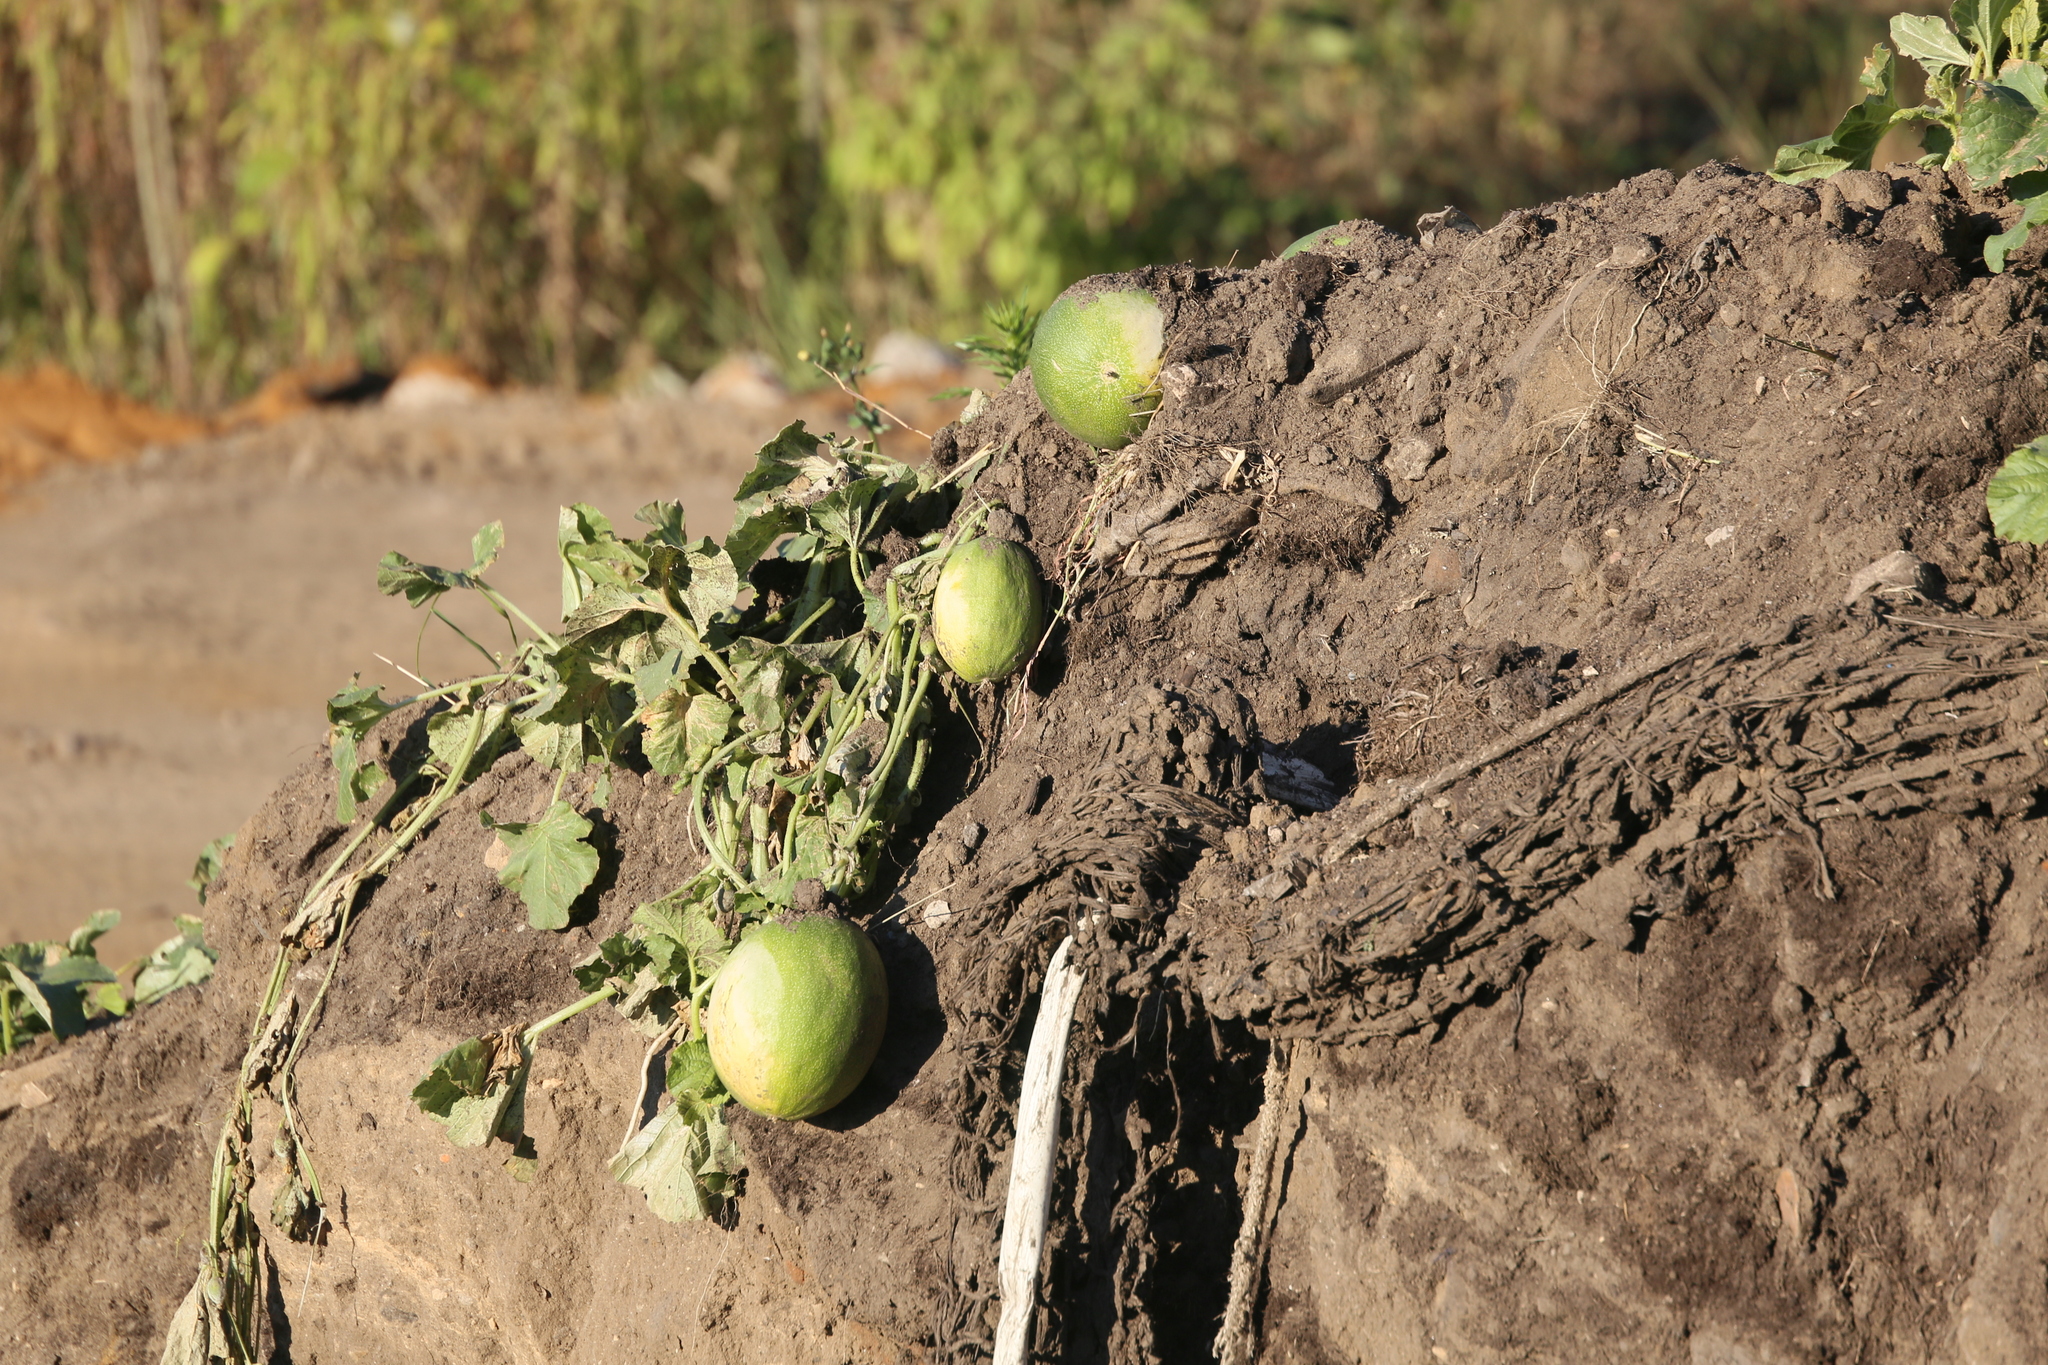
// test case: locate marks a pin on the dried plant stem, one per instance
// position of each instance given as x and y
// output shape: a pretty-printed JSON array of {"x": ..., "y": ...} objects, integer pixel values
[{"x": 1234, "y": 1342}]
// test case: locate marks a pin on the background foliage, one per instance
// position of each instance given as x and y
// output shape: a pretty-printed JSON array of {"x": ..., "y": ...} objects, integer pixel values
[{"x": 568, "y": 190}]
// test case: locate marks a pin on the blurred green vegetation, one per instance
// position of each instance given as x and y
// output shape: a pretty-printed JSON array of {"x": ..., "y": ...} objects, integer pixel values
[{"x": 568, "y": 191}]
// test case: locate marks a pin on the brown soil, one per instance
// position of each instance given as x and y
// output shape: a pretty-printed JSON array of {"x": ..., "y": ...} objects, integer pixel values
[{"x": 1690, "y": 1015}]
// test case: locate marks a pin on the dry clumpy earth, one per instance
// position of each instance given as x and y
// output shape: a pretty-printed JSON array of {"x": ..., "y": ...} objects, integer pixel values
[{"x": 1547, "y": 726}]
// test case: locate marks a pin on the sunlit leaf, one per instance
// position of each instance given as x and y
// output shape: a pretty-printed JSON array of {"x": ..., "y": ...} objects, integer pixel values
[
  {"x": 2017, "y": 497},
  {"x": 683, "y": 1163},
  {"x": 550, "y": 864},
  {"x": 485, "y": 547},
  {"x": 1929, "y": 40}
]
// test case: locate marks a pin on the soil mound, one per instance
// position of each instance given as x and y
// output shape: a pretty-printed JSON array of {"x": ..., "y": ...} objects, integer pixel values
[{"x": 1544, "y": 778}]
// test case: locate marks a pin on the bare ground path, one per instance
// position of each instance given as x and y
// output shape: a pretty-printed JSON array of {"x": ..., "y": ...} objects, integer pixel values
[{"x": 170, "y": 629}]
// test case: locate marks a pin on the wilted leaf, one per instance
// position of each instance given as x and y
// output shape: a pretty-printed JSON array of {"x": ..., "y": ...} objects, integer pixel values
[
  {"x": 550, "y": 864},
  {"x": 294, "y": 1212},
  {"x": 776, "y": 466},
  {"x": 751, "y": 536},
  {"x": 471, "y": 1086},
  {"x": 684, "y": 1166},
  {"x": 574, "y": 715},
  {"x": 88, "y": 933},
  {"x": 420, "y": 583},
  {"x": 193, "y": 1332},
  {"x": 606, "y": 603},
  {"x": 177, "y": 962},
  {"x": 1850, "y": 145},
  {"x": 212, "y": 861},
  {"x": 448, "y": 731},
  {"x": 664, "y": 736},
  {"x": 2000, "y": 131},
  {"x": 617, "y": 961},
  {"x": 714, "y": 585}
]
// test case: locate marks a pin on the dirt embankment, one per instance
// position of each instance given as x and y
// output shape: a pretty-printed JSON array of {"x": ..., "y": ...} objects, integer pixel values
[{"x": 1481, "y": 767}]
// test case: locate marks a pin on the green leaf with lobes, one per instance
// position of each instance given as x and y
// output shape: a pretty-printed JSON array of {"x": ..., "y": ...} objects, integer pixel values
[
  {"x": 666, "y": 521},
  {"x": 350, "y": 714},
  {"x": 575, "y": 713},
  {"x": 550, "y": 864},
  {"x": 663, "y": 736},
  {"x": 693, "y": 1080},
  {"x": 1929, "y": 40},
  {"x": 2001, "y": 129},
  {"x": 714, "y": 586},
  {"x": 592, "y": 553},
  {"x": 1855, "y": 138},
  {"x": 616, "y": 962},
  {"x": 685, "y": 938},
  {"x": 2017, "y": 497}
]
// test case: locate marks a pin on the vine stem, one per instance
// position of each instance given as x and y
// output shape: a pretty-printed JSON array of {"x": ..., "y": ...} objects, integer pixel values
[
  {"x": 472, "y": 740},
  {"x": 224, "y": 1205},
  {"x": 504, "y": 603},
  {"x": 568, "y": 1012},
  {"x": 661, "y": 1040}
]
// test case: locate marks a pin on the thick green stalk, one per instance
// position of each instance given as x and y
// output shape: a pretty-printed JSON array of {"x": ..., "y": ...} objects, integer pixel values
[{"x": 568, "y": 1012}]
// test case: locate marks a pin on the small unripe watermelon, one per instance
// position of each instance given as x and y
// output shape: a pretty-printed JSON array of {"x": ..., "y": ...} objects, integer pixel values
[
  {"x": 1320, "y": 238},
  {"x": 1095, "y": 361},
  {"x": 797, "y": 1014},
  {"x": 987, "y": 611}
]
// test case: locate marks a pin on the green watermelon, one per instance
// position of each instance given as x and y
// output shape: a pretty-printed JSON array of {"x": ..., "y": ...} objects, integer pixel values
[
  {"x": 797, "y": 1014},
  {"x": 987, "y": 611},
  {"x": 1095, "y": 361}
]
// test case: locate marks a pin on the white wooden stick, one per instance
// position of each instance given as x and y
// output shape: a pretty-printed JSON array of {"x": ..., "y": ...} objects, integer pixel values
[{"x": 1031, "y": 1162}]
